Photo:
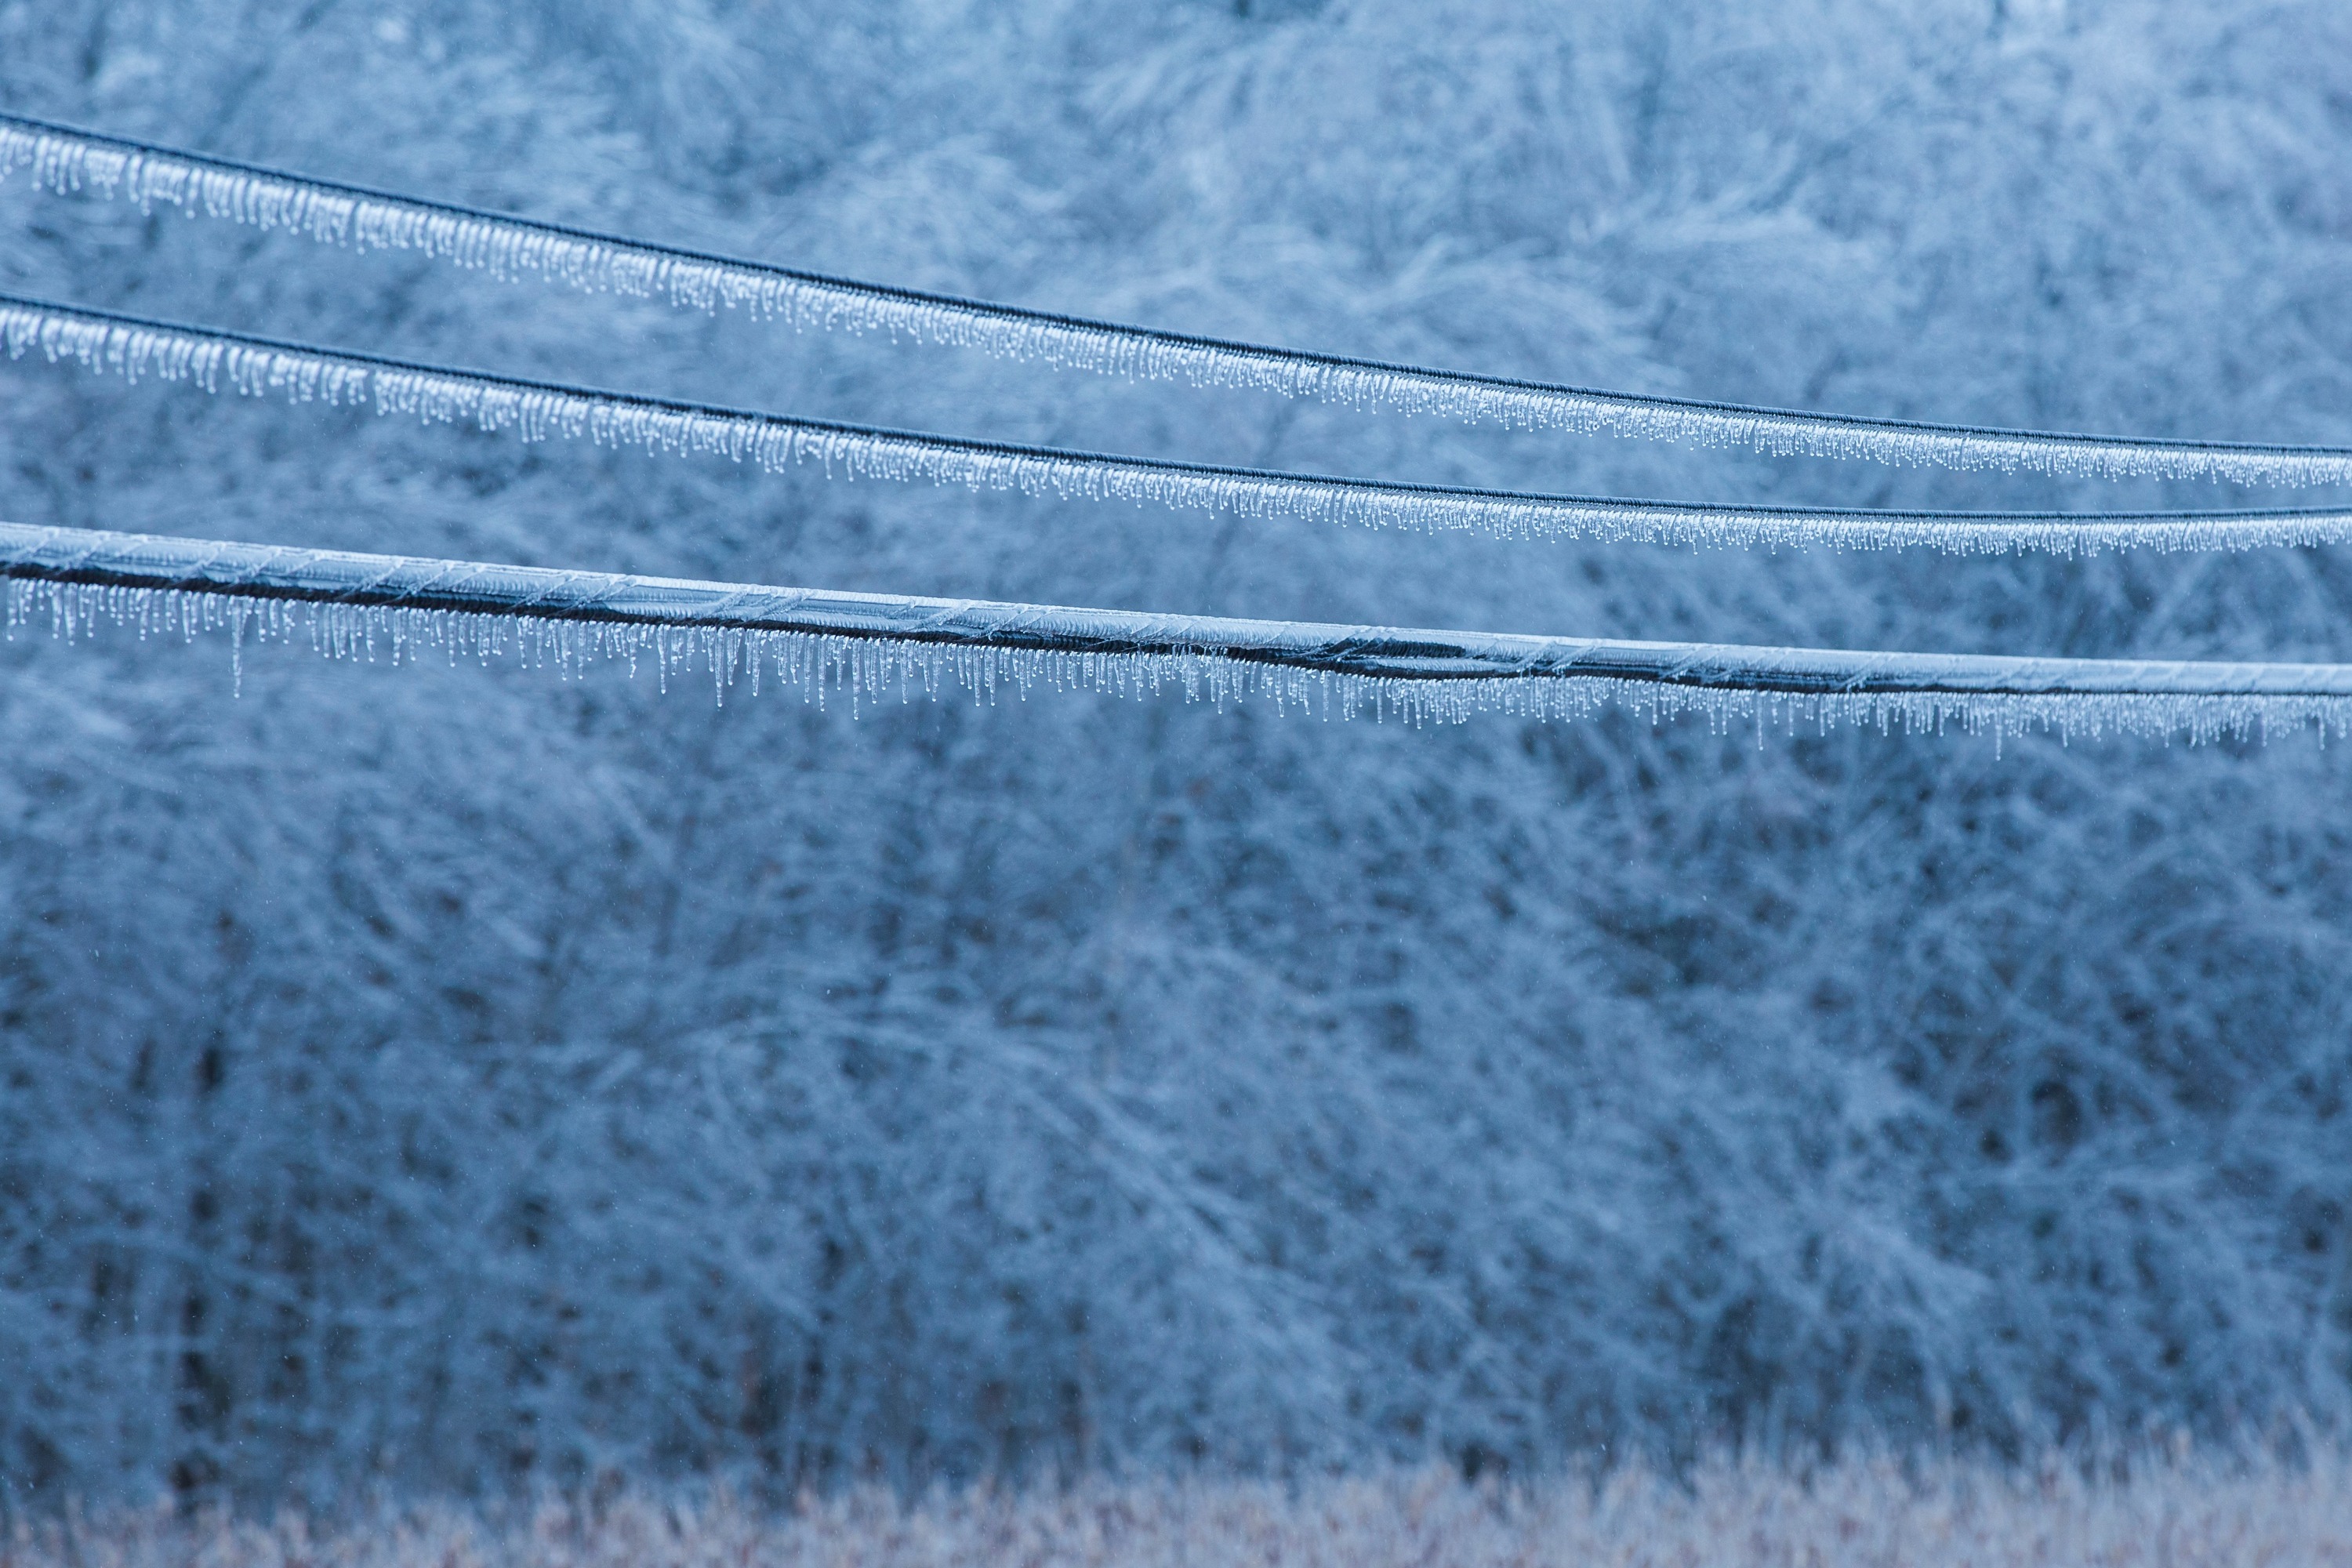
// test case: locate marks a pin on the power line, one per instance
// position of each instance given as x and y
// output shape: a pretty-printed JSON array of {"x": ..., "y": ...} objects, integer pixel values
[
  {"x": 65, "y": 158},
  {"x": 361, "y": 605},
  {"x": 137, "y": 346}
]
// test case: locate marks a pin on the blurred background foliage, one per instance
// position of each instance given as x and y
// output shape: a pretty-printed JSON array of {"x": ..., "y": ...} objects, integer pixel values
[{"x": 451, "y": 1079}]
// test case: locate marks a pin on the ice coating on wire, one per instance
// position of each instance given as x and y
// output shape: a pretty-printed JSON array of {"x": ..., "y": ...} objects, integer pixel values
[
  {"x": 66, "y": 158},
  {"x": 873, "y": 646},
  {"x": 137, "y": 348}
]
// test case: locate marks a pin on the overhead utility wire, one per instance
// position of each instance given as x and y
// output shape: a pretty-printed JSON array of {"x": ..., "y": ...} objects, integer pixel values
[
  {"x": 397, "y": 608},
  {"x": 64, "y": 158},
  {"x": 136, "y": 346}
]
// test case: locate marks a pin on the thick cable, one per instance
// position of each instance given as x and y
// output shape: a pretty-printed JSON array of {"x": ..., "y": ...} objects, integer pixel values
[{"x": 395, "y": 607}]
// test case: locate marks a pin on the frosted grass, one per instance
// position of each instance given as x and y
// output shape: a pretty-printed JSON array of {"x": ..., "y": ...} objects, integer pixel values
[
  {"x": 138, "y": 348},
  {"x": 65, "y": 158},
  {"x": 870, "y": 647},
  {"x": 2182, "y": 1512}
]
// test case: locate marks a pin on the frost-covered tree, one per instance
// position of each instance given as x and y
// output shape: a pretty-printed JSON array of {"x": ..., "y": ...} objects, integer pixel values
[{"x": 449, "y": 1077}]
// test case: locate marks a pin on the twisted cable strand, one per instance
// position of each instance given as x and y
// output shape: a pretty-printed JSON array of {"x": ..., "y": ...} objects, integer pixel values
[{"x": 355, "y": 605}]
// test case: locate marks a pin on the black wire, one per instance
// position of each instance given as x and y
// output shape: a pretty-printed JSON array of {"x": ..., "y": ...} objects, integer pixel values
[{"x": 1080, "y": 458}]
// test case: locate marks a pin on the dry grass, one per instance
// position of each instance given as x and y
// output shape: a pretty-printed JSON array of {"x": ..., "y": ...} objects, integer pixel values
[{"x": 2181, "y": 1511}]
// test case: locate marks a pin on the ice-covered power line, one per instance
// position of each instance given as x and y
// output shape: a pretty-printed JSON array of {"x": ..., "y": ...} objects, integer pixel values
[
  {"x": 874, "y": 646},
  {"x": 66, "y": 158},
  {"x": 137, "y": 347}
]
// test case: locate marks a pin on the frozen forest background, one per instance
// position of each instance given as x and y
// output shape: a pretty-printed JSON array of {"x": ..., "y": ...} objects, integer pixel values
[{"x": 447, "y": 1078}]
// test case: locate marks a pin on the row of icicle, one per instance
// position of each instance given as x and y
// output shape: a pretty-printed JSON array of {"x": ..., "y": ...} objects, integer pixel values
[
  {"x": 211, "y": 360},
  {"x": 66, "y": 158},
  {"x": 394, "y": 608}
]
